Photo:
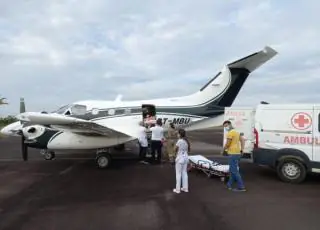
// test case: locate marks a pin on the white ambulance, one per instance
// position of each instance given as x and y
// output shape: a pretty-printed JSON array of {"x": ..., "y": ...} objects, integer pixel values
[{"x": 284, "y": 137}]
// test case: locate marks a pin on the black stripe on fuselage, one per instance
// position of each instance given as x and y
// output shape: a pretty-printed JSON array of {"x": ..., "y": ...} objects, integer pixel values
[
  {"x": 42, "y": 141},
  {"x": 158, "y": 113},
  {"x": 211, "y": 108}
]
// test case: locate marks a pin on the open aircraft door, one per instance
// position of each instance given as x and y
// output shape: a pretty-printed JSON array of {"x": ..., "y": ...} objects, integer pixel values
[{"x": 149, "y": 114}]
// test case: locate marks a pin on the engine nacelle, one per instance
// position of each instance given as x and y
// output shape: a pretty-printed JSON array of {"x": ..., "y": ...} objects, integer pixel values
[{"x": 33, "y": 131}]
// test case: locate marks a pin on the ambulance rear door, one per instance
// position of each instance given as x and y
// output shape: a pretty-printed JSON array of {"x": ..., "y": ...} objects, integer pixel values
[{"x": 243, "y": 121}]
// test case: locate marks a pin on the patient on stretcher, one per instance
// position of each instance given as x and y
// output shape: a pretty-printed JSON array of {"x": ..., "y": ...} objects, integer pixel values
[{"x": 204, "y": 162}]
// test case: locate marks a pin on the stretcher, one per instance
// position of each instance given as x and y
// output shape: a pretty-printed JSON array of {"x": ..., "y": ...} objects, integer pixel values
[{"x": 210, "y": 168}]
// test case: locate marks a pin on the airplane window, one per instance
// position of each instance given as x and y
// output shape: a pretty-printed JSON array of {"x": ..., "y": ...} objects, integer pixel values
[
  {"x": 111, "y": 112},
  {"x": 136, "y": 110},
  {"x": 127, "y": 110},
  {"x": 67, "y": 113},
  {"x": 120, "y": 111}
]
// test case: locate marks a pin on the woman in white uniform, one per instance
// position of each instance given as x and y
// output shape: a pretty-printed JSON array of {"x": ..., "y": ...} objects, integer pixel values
[
  {"x": 182, "y": 150},
  {"x": 143, "y": 143}
]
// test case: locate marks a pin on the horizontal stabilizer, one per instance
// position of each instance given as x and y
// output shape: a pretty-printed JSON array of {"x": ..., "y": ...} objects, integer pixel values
[{"x": 254, "y": 60}]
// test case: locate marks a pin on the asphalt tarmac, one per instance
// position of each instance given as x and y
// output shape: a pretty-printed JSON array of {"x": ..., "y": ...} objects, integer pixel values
[{"x": 71, "y": 193}]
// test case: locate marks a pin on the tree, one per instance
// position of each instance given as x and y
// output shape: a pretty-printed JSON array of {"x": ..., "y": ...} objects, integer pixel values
[{"x": 2, "y": 101}]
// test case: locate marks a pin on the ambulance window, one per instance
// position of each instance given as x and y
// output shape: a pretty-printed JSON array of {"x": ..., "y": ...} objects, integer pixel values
[{"x": 319, "y": 122}]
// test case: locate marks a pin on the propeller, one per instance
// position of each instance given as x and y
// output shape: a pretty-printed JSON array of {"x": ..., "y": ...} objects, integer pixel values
[{"x": 24, "y": 147}]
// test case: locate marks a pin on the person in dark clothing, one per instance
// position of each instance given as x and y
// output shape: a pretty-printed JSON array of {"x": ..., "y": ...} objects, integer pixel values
[{"x": 156, "y": 140}]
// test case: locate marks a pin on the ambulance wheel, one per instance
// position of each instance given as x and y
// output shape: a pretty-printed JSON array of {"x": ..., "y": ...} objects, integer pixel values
[
  {"x": 103, "y": 160},
  {"x": 291, "y": 170}
]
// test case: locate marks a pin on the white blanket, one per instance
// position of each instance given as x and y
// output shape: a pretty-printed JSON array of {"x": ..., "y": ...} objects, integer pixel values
[{"x": 206, "y": 163}]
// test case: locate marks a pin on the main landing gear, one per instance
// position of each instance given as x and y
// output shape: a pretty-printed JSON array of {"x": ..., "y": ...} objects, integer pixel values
[
  {"x": 47, "y": 154},
  {"x": 103, "y": 158}
]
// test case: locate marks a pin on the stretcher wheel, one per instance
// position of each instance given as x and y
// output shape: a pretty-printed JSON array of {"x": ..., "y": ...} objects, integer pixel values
[{"x": 226, "y": 178}]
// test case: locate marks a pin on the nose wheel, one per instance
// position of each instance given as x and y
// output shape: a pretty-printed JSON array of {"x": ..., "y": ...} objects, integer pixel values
[{"x": 48, "y": 155}]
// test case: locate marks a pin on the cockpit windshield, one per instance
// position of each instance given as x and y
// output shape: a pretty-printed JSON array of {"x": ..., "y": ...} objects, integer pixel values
[
  {"x": 73, "y": 109},
  {"x": 62, "y": 109}
]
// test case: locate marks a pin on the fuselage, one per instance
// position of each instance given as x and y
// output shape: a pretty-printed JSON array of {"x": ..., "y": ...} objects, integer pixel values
[{"x": 106, "y": 113}]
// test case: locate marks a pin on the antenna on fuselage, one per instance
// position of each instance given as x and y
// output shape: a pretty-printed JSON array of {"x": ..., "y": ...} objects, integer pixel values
[{"x": 118, "y": 98}]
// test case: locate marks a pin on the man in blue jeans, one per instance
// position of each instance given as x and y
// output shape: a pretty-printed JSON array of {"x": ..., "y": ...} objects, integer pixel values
[{"x": 234, "y": 146}]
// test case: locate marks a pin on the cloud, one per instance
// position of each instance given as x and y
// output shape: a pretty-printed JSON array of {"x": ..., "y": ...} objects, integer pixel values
[{"x": 56, "y": 52}]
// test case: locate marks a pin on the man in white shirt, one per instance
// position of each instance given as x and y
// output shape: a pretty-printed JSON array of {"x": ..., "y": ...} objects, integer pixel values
[
  {"x": 156, "y": 140},
  {"x": 143, "y": 142}
]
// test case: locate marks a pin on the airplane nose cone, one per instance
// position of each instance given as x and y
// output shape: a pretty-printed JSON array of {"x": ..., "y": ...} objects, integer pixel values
[
  {"x": 5, "y": 131},
  {"x": 10, "y": 130}
]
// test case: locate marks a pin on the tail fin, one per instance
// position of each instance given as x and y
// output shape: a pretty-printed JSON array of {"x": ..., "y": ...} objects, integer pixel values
[
  {"x": 222, "y": 90},
  {"x": 255, "y": 60}
]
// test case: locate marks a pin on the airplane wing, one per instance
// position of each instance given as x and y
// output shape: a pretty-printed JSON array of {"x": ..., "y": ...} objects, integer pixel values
[{"x": 72, "y": 124}]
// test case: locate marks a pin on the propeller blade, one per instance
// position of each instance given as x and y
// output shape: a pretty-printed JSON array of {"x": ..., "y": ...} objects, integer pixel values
[{"x": 24, "y": 149}]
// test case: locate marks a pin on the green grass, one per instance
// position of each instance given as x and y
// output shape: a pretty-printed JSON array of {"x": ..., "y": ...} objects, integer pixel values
[{"x": 1, "y": 135}]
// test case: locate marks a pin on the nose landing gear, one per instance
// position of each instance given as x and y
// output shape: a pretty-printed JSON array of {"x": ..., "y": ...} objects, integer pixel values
[{"x": 47, "y": 155}]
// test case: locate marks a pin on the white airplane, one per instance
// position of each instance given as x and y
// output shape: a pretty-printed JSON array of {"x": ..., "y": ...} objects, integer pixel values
[{"x": 100, "y": 125}]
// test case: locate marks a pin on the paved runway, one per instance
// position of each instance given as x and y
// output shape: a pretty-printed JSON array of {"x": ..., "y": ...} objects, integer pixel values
[{"x": 74, "y": 194}]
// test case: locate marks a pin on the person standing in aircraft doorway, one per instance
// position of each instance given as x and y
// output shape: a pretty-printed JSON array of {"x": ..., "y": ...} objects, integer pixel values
[
  {"x": 182, "y": 150},
  {"x": 156, "y": 140},
  {"x": 171, "y": 139},
  {"x": 234, "y": 146}
]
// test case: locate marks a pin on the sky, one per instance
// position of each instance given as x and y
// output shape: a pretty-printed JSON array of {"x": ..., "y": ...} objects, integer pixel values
[{"x": 56, "y": 52}]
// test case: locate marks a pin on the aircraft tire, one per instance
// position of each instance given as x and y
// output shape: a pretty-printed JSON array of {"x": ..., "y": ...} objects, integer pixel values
[
  {"x": 103, "y": 160},
  {"x": 49, "y": 155}
]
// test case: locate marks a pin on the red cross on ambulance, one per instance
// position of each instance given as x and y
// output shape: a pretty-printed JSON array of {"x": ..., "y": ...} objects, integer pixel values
[{"x": 301, "y": 121}]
